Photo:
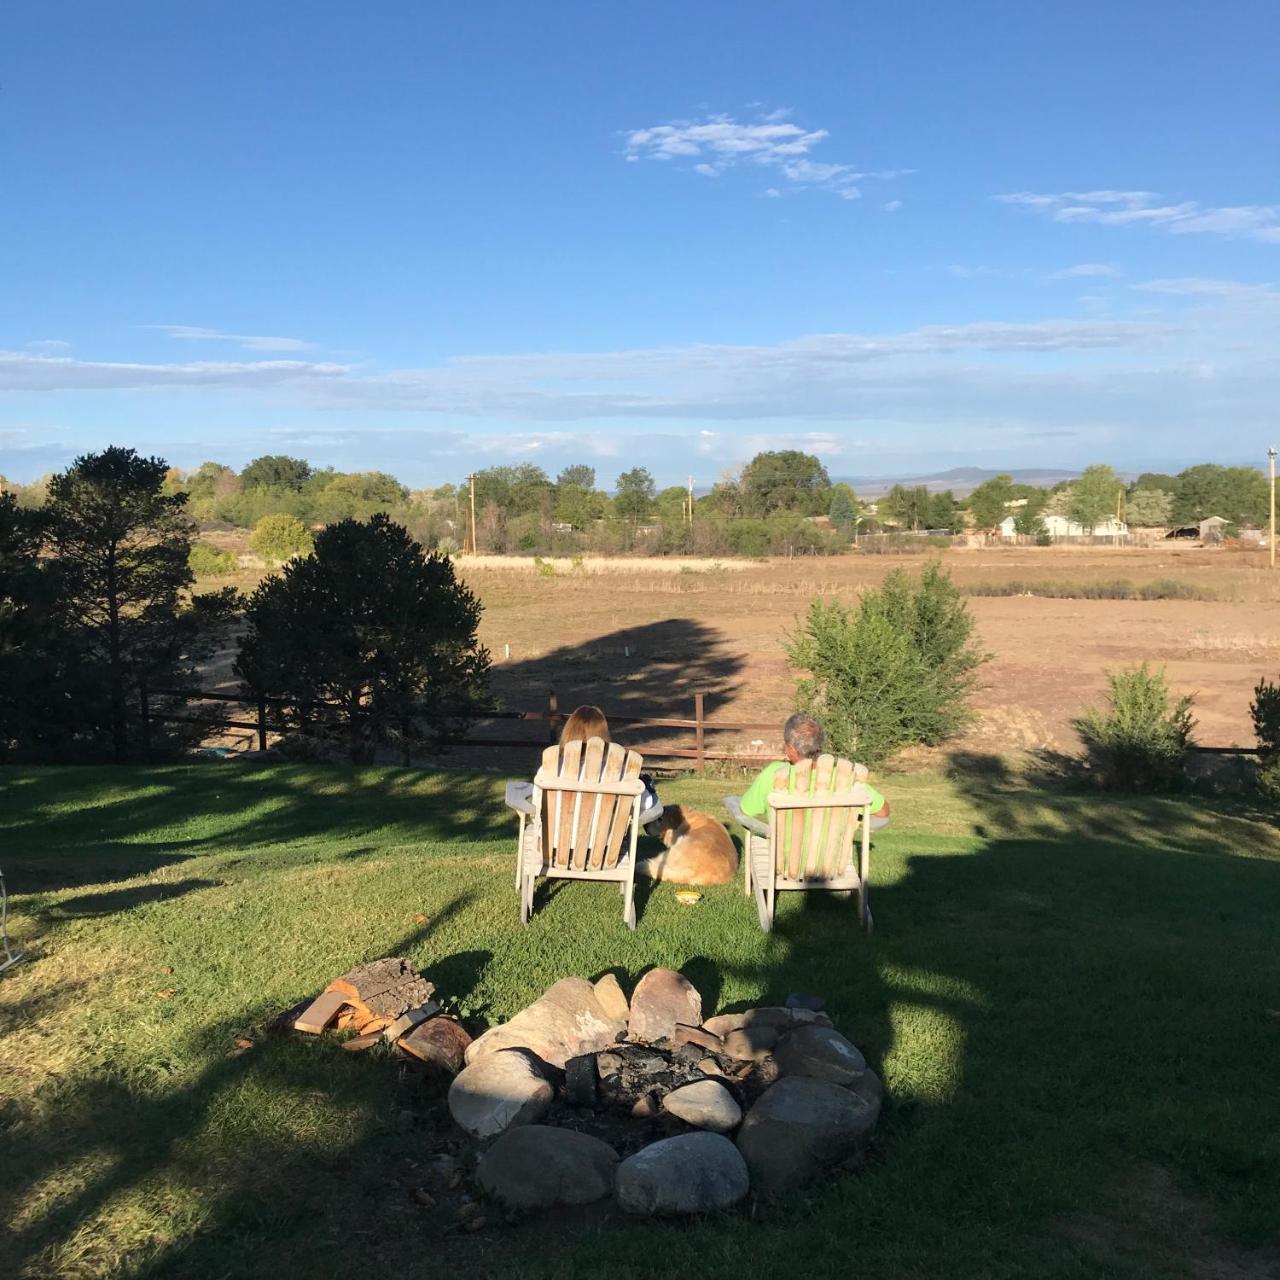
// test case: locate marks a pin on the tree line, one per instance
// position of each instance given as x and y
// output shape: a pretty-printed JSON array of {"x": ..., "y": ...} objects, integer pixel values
[
  {"x": 370, "y": 640},
  {"x": 781, "y": 502}
]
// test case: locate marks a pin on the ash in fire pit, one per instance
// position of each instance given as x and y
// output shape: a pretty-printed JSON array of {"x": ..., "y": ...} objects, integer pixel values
[{"x": 584, "y": 1094}]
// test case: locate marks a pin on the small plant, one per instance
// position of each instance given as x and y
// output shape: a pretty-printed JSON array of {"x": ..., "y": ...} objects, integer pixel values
[
  {"x": 1139, "y": 741},
  {"x": 892, "y": 672},
  {"x": 576, "y": 564},
  {"x": 1265, "y": 711},
  {"x": 545, "y": 568},
  {"x": 209, "y": 562},
  {"x": 277, "y": 538}
]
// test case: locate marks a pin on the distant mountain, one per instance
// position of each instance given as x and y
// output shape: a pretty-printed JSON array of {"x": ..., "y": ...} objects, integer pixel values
[{"x": 960, "y": 480}]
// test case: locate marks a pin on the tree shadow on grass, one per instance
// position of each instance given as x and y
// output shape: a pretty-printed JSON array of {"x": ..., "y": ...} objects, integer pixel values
[{"x": 1084, "y": 984}]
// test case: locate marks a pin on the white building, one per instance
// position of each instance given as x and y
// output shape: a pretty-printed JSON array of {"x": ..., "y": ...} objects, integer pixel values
[{"x": 1061, "y": 527}]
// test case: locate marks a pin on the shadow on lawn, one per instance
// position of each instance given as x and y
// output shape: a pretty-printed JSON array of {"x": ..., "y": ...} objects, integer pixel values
[{"x": 1086, "y": 990}]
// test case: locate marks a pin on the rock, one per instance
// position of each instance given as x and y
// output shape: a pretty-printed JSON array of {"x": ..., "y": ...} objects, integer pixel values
[
  {"x": 497, "y": 1091},
  {"x": 800, "y": 1125},
  {"x": 629, "y": 1072},
  {"x": 612, "y": 998},
  {"x": 565, "y": 1021},
  {"x": 645, "y": 1107},
  {"x": 580, "y": 1080},
  {"x": 663, "y": 999},
  {"x": 439, "y": 1042},
  {"x": 750, "y": 1044},
  {"x": 705, "y": 1104},
  {"x": 535, "y": 1166},
  {"x": 693, "y": 1173},
  {"x": 820, "y": 1052},
  {"x": 799, "y": 1000},
  {"x": 710, "y": 1067},
  {"x": 770, "y": 1016},
  {"x": 696, "y": 1035}
]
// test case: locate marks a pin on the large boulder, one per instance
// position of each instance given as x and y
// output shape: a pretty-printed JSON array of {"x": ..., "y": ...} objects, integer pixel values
[
  {"x": 694, "y": 1173},
  {"x": 705, "y": 1104},
  {"x": 536, "y": 1166},
  {"x": 497, "y": 1091},
  {"x": 800, "y": 1125},
  {"x": 568, "y": 1019},
  {"x": 820, "y": 1052},
  {"x": 663, "y": 999}
]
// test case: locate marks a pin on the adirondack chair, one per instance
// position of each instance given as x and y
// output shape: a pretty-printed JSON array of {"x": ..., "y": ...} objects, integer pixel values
[
  {"x": 809, "y": 837},
  {"x": 586, "y": 797}
]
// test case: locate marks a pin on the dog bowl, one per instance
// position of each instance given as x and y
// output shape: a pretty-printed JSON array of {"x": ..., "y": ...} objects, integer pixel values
[{"x": 688, "y": 897}]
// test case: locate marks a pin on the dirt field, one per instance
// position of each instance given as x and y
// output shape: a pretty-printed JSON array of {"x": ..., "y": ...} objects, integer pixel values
[{"x": 642, "y": 642}]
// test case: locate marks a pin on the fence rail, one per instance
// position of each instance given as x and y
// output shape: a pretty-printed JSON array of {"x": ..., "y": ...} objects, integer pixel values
[{"x": 263, "y": 724}]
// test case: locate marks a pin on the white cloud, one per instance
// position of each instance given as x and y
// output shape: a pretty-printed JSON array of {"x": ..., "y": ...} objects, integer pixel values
[
  {"x": 48, "y": 346},
  {"x": 891, "y": 206},
  {"x": 250, "y": 342},
  {"x": 719, "y": 143},
  {"x": 1200, "y": 287},
  {"x": 1142, "y": 208},
  {"x": 21, "y": 371},
  {"x": 1086, "y": 269}
]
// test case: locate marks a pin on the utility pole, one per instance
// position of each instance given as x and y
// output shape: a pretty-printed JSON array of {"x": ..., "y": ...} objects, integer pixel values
[
  {"x": 690, "y": 502},
  {"x": 474, "y": 547},
  {"x": 1271, "y": 459}
]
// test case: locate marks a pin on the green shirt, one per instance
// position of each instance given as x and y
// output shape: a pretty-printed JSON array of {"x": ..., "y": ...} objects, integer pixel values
[{"x": 755, "y": 800}]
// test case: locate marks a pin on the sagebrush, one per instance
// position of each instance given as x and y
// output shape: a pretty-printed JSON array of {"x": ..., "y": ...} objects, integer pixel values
[
  {"x": 895, "y": 671},
  {"x": 1265, "y": 711},
  {"x": 1139, "y": 741}
]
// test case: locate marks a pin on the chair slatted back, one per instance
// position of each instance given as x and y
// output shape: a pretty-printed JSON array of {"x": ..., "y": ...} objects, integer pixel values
[
  {"x": 586, "y": 793},
  {"x": 814, "y": 821}
]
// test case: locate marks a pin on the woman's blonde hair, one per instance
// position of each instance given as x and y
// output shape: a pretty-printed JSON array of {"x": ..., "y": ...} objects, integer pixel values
[{"x": 584, "y": 723}]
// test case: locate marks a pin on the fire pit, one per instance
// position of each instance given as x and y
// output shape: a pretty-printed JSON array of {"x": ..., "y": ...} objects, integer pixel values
[{"x": 585, "y": 1094}]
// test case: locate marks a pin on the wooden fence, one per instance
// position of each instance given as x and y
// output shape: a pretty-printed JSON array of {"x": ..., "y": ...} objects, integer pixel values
[{"x": 264, "y": 723}]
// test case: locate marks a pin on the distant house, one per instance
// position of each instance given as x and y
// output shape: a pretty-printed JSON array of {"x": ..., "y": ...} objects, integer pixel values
[
  {"x": 1061, "y": 527},
  {"x": 1210, "y": 529}
]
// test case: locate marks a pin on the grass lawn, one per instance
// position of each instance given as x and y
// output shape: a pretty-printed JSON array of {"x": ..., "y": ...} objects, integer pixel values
[{"x": 1074, "y": 1002}]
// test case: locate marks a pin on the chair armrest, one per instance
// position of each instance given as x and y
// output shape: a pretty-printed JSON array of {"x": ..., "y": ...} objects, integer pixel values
[
  {"x": 754, "y": 825},
  {"x": 519, "y": 796}
]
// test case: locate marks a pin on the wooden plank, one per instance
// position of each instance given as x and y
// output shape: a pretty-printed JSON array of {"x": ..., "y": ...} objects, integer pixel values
[
  {"x": 801, "y": 782},
  {"x": 614, "y": 763},
  {"x": 818, "y": 821},
  {"x": 631, "y": 766},
  {"x": 570, "y": 772},
  {"x": 842, "y": 823},
  {"x": 584, "y": 813}
]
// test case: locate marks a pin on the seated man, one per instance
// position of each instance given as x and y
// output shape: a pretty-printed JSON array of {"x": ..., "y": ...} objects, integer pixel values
[{"x": 803, "y": 739}]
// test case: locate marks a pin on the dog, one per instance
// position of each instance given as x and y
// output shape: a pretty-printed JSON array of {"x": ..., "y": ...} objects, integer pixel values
[{"x": 698, "y": 851}]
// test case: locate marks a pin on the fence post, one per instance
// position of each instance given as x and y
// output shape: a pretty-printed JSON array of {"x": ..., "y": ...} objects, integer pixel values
[
  {"x": 697, "y": 732},
  {"x": 552, "y": 716},
  {"x": 262, "y": 722},
  {"x": 145, "y": 709}
]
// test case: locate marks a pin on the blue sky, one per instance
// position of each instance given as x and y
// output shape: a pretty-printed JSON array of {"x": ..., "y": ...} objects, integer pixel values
[{"x": 426, "y": 238}]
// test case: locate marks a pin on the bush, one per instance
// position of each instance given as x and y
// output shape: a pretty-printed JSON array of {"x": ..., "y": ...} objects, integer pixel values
[
  {"x": 901, "y": 544},
  {"x": 1139, "y": 742},
  {"x": 1116, "y": 589},
  {"x": 279, "y": 538},
  {"x": 893, "y": 672},
  {"x": 1265, "y": 710},
  {"x": 748, "y": 537},
  {"x": 209, "y": 562}
]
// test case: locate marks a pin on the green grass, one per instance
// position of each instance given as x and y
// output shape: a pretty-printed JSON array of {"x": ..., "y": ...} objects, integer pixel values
[
  {"x": 1111, "y": 589},
  {"x": 1067, "y": 996}
]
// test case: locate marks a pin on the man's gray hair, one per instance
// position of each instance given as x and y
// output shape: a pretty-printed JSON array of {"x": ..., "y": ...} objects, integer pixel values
[{"x": 805, "y": 734}]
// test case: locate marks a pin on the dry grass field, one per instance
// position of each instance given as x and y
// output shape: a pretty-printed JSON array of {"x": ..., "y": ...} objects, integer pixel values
[
  {"x": 641, "y": 641},
  {"x": 643, "y": 636}
]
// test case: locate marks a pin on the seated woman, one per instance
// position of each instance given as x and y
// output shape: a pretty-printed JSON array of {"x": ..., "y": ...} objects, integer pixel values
[{"x": 585, "y": 722}]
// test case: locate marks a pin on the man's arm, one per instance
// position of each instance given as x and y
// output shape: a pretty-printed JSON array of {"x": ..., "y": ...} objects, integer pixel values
[{"x": 755, "y": 800}]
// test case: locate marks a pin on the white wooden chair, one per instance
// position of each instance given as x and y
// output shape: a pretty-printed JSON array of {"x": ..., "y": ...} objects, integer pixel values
[
  {"x": 586, "y": 797},
  {"x": 808, "y": 841}
]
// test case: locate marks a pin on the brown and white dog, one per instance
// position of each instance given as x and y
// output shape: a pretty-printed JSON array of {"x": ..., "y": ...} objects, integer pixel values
[{"x": 698, "y": 851}]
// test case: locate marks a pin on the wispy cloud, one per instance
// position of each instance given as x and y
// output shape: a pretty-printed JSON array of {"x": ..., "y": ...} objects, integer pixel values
[
  {"x": 48, "y": 346},
  {"x": 250, "y": 342},
  {"x": 719, "y": 143},
  {"x": 1146, "y": 208},
  {"x": 1087, "y": 269},
  {"x": 23, "y": 371},
  {"x": 1202, "y": 287}
]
